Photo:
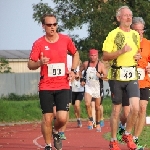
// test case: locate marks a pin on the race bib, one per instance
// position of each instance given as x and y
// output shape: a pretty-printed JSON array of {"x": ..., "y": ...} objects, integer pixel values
[
  {"x": 91, "y": 73},
  {"x": 57, "y": 69},
  {"x": 141, "y": 73},
  {"x": 127, "y": 73},
  {"x": 76, "y": 84}
]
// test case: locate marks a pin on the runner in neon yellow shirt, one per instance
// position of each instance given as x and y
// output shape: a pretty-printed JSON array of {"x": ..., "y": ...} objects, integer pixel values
[
  {"x": 117, "y": 41},
  {"x": 121, "y": 49}
]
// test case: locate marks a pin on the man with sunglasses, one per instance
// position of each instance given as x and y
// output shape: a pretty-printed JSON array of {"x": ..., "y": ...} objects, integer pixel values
[
  {"x": 144, "y": 80},
  {"x": 49, "y": 53}
]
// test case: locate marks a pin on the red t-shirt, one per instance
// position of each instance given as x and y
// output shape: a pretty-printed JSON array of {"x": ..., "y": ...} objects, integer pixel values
[{"x": 57, "y": 52}]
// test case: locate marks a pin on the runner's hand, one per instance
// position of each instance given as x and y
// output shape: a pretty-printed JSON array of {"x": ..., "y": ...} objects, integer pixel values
[
  {"x": 125, "y": 49},
  {"x": 99, "y": 75},
  {"x": 77, "y": 76},
  {"x": 71, "y": 76},
  {"x": 137, "y": 57},
  {"x": 148, "y": 69},
  {"x": 43, "y": 59},
  {"x": 82, "y": 83}
]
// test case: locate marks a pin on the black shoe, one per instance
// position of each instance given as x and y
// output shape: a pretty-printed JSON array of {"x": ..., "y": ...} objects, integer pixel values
[
  {"x": 57, "y": 141},
  {"x": 48, "y": 148}
]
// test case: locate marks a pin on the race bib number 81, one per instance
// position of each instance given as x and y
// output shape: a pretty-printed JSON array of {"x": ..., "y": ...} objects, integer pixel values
[
  {"x": 127, "y": 73},
  {"x": 57, "y": 69}
]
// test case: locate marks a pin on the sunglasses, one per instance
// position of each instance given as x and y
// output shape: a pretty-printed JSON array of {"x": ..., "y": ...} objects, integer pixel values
[{"x": 50, "y": 25}]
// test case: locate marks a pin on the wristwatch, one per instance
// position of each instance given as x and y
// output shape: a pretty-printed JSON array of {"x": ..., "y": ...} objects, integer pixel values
[{"x": 74, "y": 70}]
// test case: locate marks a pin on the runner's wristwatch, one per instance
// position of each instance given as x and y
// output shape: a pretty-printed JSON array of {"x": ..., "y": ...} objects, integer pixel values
[{"x": 74, "y": 70}]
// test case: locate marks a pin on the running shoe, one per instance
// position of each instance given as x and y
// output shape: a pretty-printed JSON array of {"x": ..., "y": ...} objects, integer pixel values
[
  {"x": 114, "y": 145},
  {"x": 57, "y": 141},
  {"x": 102, "y": 123},
  {"x": 62, "y": 136},
  {"x": 48, "y": 148},
  {"x": 90, "y": 125},
  {"x": 79, "y": 123},
  {"x": 139, "y": 147},
  {"x": 120, "y": 133},
  {"x": 98, "y": 128},
  {"x": 128, "y": 139}
]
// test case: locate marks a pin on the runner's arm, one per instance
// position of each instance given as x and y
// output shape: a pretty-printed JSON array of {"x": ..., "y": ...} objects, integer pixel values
[
  {"x": 75, "y": 60},
  {"x": 103, "y": 70},
  {"x": 110, "y": 56},
  {"x": 33, "y": 65},
  {"x": 82, "y": 67},
  {"x": 107, "y": 56}
]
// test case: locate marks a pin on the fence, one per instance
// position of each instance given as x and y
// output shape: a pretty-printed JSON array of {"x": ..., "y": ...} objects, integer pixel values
[{"x": 26, "y": 84}]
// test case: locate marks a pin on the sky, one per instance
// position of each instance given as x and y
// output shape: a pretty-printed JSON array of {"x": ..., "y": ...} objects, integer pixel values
[{"x": 18, "y": 30}]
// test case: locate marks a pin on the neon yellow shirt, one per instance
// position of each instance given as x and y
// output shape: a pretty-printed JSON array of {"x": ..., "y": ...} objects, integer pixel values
[{"x": 116, "y": 40}]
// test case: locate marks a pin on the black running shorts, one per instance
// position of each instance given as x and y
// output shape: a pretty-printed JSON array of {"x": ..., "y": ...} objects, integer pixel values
[
  {"x": 77, "y": 96},
  {"x": 117, "y": 88},
  {"x": 50, "y": 97}
]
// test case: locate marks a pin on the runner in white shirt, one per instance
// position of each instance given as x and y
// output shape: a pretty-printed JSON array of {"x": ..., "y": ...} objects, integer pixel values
[
  {"x": 77, "y": 97},
  {"x": 62, "y": 130},
  {"x": 93, "y": 71}
]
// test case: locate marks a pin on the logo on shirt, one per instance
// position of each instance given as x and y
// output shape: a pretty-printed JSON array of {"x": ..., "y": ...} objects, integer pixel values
[{"x": 47, "y": 48}]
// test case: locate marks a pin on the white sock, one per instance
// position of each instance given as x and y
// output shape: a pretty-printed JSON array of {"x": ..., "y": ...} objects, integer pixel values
[
  {"x": 127, "y": 133},
  {"x": 113, "y": 139},
  {"x": 56, "y": 132},
  {"x": 49, "y": 145},
  {"x": 134, "y": 137}
]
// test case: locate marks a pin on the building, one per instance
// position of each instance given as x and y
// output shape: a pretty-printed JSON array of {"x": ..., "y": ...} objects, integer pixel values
[{"x": 17, "y": 60}]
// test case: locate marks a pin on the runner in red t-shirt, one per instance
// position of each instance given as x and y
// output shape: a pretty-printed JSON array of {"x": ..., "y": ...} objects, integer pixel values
[{"x": 50, "y": 54}]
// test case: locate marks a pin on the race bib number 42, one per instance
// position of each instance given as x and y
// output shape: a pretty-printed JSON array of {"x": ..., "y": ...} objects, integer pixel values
[
  {"x": 56, "y": 69},
  {"x": 127, "y": 73}
]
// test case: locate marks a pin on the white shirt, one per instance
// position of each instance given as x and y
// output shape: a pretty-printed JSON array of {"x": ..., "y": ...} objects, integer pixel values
[
  {"x": 69, "y": 64},
  {"x": 76, "y": 86}
]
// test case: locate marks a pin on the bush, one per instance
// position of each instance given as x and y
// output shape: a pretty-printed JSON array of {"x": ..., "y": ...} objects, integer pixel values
[{"x": 15, "y": 97}]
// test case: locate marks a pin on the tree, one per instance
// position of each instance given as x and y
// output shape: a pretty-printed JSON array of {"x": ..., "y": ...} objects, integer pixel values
[
  {"x": 99, "y": 15},
  {"x": 4, "y": 66}
]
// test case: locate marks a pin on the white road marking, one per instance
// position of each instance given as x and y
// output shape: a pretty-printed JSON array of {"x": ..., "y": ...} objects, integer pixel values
[
  {"x": 36, "y": 143},
  {"x": 36, "y": 139}
]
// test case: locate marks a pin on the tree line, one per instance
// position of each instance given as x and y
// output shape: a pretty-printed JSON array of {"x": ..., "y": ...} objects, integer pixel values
[{"x": 98, "y": 15}]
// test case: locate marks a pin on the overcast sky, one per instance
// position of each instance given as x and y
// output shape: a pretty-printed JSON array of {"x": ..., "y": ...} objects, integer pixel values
[{"x": 17, "y": 28}]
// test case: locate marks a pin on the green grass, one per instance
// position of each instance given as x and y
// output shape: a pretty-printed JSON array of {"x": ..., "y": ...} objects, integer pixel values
[
  {"x": 24, "y": 109},
  {"x": 16, "y": 111}
]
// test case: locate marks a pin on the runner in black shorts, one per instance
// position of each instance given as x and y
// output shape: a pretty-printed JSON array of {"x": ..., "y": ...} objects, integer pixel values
[
  {"x": 62, "y": 130},
  {"x": 49, "y": 54},
  {"x": 144, "y": 83},
  {"x": 77, "y": 97},
  {"x": 121, "y": 49}
]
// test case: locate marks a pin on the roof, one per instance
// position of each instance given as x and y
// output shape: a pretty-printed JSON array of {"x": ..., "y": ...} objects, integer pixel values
[{"x": 15, "y": 54}]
